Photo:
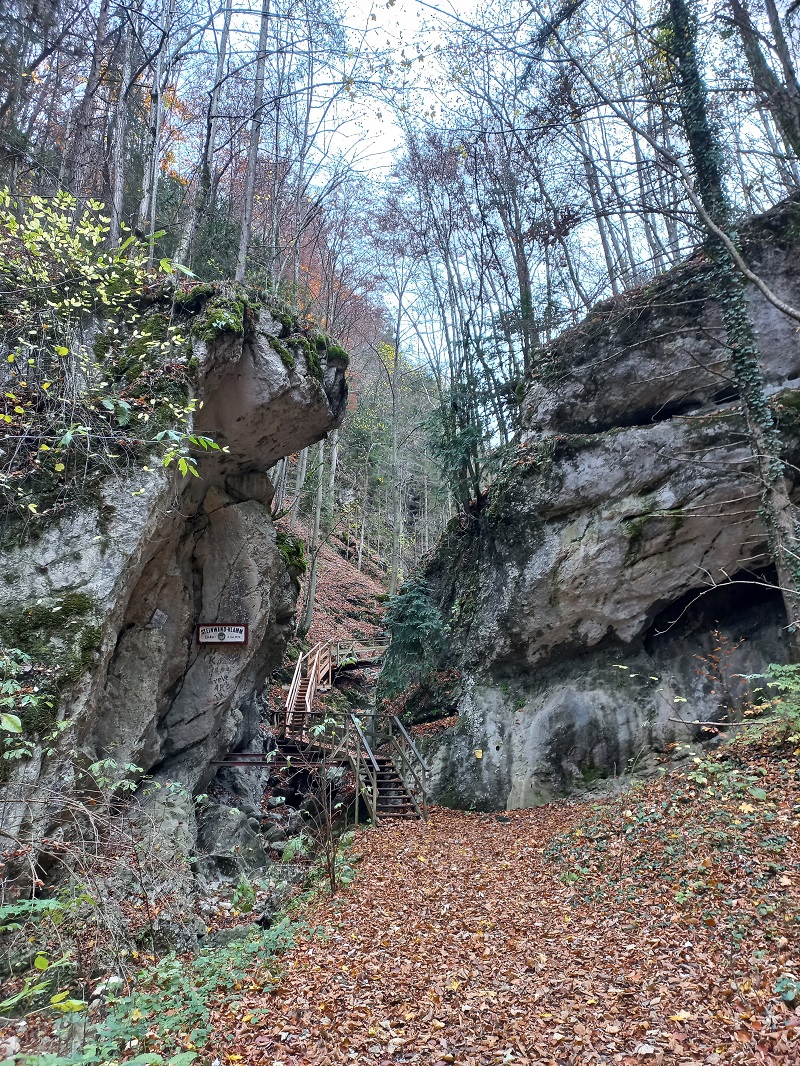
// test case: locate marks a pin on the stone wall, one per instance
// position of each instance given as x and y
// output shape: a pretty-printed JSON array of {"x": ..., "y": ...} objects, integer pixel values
[
  {"x": 116, "y": 587},
  {"x": 581, "y": 594}
]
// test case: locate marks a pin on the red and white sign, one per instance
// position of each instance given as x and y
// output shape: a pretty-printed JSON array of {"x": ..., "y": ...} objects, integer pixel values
[{"x": 222, "y": 634}]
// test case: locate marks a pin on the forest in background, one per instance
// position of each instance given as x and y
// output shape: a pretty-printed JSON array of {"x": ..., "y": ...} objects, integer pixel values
[{"x": 545, "y": 162}]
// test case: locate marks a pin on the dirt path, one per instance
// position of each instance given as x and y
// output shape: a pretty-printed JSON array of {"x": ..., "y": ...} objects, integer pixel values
[{"x": 458, "y": 943}]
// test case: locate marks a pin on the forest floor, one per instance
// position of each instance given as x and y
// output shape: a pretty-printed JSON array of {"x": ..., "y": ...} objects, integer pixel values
[
  {"x": 656, "y": 926},
  {"x": 349, "y": 602}
]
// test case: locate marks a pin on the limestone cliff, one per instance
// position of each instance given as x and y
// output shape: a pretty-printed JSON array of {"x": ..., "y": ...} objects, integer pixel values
[
  {"x": 110, "y": 593},
  {"x": 578, "y": 596}
]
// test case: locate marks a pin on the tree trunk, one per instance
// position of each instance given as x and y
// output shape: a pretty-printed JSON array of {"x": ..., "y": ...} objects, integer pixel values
[
  {"x": 396, "y": 501},
  {"x": 255, "y": 140},
  {"x": 279, "y": 483},
  {"x": 300, "y": 480},
  {"x": 147, "y": 206},
  {"x": 782, "y": 100},
  {"x": 77, "y": 151},
  {"x": 118, "y": 130},
  {"x": 330, "y": 498},
  {"x": 315, "y": 541},
  {"x": 776, "y": 506},
  {"x": 597, "y": 206},
  {"x": 185, "y": 252}
]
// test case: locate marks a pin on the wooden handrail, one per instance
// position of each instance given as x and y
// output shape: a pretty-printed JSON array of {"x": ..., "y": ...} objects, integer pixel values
[
  {"x": 411, "y": 743},
  {"x": 371, "y": 771},
  {"x": 317, "y": 666}
]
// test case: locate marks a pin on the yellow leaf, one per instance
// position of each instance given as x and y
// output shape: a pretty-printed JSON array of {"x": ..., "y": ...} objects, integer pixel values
[
  {"x": 746, "y": 808},
  {"x": 436, "y": 1024},
  {"x": 59, "y": 467},
  {"x": 19, "y": 410},
  {"x": 136, "y": 1015},
  {"x": 681, "y": 1016}
]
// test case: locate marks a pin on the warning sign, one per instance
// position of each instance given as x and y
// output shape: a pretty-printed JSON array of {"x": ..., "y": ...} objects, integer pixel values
[{"x": 222, "y": 634}]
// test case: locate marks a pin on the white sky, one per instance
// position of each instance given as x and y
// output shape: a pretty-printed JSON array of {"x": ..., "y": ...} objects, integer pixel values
[{"x": 399, "y": 26}]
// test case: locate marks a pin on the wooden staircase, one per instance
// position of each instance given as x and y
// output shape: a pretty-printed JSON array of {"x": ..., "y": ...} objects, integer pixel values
[
  {"x": 390, "y": 774},
  {"x": 394, "y": 799}
]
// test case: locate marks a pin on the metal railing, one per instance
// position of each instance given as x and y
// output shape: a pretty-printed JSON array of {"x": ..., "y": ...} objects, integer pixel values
[
  {"x": 331, "y": 737},
  {"x": 408, "y": 762},
  {"x": 365, "y": 768},
  {"x": 342, "y": 735}
]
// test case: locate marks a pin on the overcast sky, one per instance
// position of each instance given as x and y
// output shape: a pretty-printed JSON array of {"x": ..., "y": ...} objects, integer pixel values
[{"x": 400, "y": 26}]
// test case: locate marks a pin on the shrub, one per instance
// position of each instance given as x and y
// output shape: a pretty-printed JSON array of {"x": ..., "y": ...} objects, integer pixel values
[{"x": 93, "y": 380}]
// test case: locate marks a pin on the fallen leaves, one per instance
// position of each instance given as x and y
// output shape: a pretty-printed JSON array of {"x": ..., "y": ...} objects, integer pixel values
[
  {"x": 348, "y": 602},
  {"x": 640, "y": 929}
]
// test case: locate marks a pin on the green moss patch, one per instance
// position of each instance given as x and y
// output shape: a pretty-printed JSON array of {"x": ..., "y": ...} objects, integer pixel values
[
  {"x": 222, "y": 315},
  {"x": 287, "y": 358},
  {"x": 60, "y": 637},
  {"x": 293, "y": 551},
  {"x": 337, "y": 354},
  {"x": 194, "y": 300}
]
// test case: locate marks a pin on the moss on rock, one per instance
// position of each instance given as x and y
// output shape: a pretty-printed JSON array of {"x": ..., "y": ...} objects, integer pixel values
[
  {"x": 194, "y": 300},
  {"x": 293, "y": 551},
  {"x": 287, "y": 358},
  {"x": 222, "y": 315},
  {"x": 61, "y": 637}
]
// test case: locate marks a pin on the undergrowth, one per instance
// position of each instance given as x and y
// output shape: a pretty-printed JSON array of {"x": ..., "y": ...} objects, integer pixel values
[{"x": 166, "y": 1016}]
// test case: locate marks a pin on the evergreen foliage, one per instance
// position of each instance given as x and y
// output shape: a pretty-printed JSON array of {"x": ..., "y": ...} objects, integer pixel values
[{"x": 419, "y": 636}]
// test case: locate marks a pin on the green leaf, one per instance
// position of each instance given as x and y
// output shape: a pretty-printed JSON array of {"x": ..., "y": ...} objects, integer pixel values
[
  {"x": 41, "y": 963},
  {"x": 757, "y": 793},
  {"x": 186, "y": 1058},
  {"x": 10, "y": 723},
  {"x": 69, "y": 1006}
]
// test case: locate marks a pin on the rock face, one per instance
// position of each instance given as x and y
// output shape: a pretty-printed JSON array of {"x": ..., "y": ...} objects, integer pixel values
[
  {"x": 117, "y": 587},
  {"x": 581, "y": 597}
]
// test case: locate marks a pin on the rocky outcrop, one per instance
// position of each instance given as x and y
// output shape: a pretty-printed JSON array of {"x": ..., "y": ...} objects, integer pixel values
[
  {"x": 112, "y": 593},
  {"x": 582, "y": 595}
]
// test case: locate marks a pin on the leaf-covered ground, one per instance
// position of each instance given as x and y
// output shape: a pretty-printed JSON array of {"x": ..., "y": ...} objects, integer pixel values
[
  {"x": 348, "y": 603},
  {"x": 659, "y": 926}
]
